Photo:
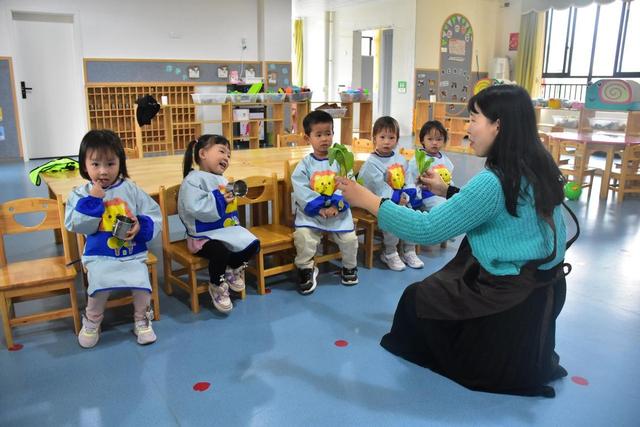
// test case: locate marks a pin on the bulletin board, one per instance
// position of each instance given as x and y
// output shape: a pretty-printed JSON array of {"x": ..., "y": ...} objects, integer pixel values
[
  {"x": 277, "y": 75},
  {"x": 456, "y": 57},
  {"x": 426, "y": 81},
  {"x": 158, "y": 70},
  {"x": 10, "y": 143}
]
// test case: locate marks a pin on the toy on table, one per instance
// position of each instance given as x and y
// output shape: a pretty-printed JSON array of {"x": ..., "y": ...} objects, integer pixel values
[{"x": 572, "y": 190}]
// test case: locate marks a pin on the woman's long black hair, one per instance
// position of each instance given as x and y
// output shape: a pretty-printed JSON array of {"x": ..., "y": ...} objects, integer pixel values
[
  {"x": 194, "y": 147},
  {"x": 517, "y": 151}
]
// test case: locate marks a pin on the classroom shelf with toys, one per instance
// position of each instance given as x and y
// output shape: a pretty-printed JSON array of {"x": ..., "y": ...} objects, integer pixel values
[
  {"x": 587, "y": 120},
  {"x": 454, "y": 117}
]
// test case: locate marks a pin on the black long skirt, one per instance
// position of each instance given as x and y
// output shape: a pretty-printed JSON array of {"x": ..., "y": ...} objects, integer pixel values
[{"x": 502, "y": 340}]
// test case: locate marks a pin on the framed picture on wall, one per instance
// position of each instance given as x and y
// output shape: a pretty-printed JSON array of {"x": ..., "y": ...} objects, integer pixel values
[{"x": 513, "y": 41}]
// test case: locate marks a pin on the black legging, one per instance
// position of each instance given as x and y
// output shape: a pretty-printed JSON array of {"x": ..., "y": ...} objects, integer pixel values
[{"x": 220, "y": 257}]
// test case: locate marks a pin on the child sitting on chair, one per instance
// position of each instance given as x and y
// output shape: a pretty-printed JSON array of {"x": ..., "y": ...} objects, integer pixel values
[
  {"x": 112, "y": 263},
  {"x": 384, "y": 173},
  {"x": 210, "y": 214},
  {"x": 319, "y": 208}
]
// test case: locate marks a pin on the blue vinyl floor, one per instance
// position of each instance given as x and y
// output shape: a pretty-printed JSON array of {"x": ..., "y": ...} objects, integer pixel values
[{"x": 274, "y": 360}]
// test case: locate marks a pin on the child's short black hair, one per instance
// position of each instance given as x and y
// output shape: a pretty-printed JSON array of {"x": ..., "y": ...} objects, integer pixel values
[
  {"x": 433, "y": 124},
  {"x": 386, "y": 123},
  {"x": 105, "y": 141},
  {"x": 315, "y": 117}
]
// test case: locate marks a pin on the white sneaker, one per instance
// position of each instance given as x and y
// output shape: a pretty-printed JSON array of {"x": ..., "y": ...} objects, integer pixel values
[
  {"x": 89, "y": 334},
  {"x": 144, "y": 331},
  {"x": 393, "y": 261},
  {"x": 220, "y": 297},
  {"x": 235, "y": 278},
  {"x": 412, "y": 260}
]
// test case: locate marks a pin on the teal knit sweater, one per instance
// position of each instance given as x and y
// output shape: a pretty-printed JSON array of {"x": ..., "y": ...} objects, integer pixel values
[{"x": 501, "y": 243}]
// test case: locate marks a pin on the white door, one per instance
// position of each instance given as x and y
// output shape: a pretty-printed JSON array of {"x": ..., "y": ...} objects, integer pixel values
[{"x": 45, "y": 60}]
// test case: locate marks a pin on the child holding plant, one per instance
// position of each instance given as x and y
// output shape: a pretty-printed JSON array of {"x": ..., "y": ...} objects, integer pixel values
[
  {"x": 384, "y": 173},
  {"x": 318, "y": 206},
  {"x": 433, "y": 136}
]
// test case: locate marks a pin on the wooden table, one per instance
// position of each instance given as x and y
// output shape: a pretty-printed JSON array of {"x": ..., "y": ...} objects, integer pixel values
[
  {"x": 150, "y": 173},
  {"x": 608, "y": 143}
]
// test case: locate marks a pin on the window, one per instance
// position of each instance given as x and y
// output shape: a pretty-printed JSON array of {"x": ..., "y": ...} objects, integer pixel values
[{"x": 593, "y": 42}]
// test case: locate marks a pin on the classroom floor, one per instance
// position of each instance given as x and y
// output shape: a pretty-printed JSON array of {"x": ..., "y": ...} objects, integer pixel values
[{"x": 277, "y": 359}]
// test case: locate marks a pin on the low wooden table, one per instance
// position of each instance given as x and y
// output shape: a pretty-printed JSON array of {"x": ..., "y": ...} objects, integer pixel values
[{"x": 596, "y": 141}]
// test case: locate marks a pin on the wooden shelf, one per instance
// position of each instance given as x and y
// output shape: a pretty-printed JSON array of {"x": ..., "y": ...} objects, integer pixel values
[
  {"x": 365, "y": 123},
  {"x": 456, "y": 125}
]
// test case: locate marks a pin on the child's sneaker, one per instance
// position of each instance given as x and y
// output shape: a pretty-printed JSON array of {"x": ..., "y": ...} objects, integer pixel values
[
  {"x": 89, "y": 334},
  {"x": 393, "y": 261},
  {"x": 143, "y": 330},
  {"x": 412, "y": 260},
  {"x": 349, "y": 276},
  {"x": 307, "y": 280},
  {"x": 235, "y": 278},
  {"x": 220, "y": 297}
]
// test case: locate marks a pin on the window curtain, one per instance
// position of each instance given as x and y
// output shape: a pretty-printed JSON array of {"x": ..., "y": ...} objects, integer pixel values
[
  {"x": 298, "y": 50},
  {"x": 528, "y": 72},
  {"x": 543, "y": 5}
]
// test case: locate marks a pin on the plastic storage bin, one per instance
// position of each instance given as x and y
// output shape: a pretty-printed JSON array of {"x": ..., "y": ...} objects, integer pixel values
[
  {"x": 209, "y": 98},
  {"x": 299, "y": 97},
  {"x": 271, "y": 97},
  {"x": 608, "y": 124},
  {"x": 336, "y": 113},
  {"x": 243, "y": 98}
]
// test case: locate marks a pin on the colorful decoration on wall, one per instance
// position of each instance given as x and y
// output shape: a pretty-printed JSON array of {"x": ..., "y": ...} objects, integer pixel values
[
  {"x": 456, "y": 52},
  {"x": 613, "y": 94}
]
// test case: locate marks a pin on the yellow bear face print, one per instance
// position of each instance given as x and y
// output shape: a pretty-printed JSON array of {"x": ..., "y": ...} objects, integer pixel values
[
  {"x": 120, "y": 247},
  {"x": 443, "y": 172},
  {"x": 395, "y": 176},
  {"x": 112, "y": 209},
  {"x": 323, "y": 182}
]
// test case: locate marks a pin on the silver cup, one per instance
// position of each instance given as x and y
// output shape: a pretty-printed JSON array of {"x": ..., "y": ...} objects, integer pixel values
[
  {"x": 122, "y": 227},
  {"x": 238, "y": 188}
]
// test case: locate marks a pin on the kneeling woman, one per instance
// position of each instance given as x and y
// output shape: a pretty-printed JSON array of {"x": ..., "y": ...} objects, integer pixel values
[{"x": 487, "y": 319}]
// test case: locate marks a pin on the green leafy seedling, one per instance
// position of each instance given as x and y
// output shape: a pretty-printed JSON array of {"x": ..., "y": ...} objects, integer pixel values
[
  {"x": 423, "y": 161},
  {"x": 340, "y": 154}
]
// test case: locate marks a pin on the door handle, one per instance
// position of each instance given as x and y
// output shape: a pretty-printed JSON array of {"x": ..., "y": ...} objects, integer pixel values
[{"x": 24, "y": 89}]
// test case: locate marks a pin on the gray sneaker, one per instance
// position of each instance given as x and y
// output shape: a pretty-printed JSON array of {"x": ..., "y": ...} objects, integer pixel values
[
  {"x": 220, "y": 297},
  {"x": 235, "y": 278},
  {"x": 89, "y": 334},
  {"x": 143, "y": 329}
]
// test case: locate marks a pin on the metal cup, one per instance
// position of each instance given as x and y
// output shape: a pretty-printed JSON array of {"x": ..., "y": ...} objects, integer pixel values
[
  {"x": 122, "y": 227},
  {"x": 238, "y": 188}
]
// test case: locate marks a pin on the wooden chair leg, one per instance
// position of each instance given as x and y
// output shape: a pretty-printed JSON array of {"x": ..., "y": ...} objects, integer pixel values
[
  {"x": 74, "y": 307},
  {"x": 193, "y": 281},
  {"x": 262, "y": 289},
  {"x": 621, "y": 186},
  {"x": 168, "y": 287},
  {"x": 368, "y": 246},
  {"x": 6, "y": 326},
  {"x": 154, "y": 292}
]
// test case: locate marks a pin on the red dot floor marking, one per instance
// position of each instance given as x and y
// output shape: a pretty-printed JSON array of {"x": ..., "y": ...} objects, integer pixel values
[
  {"x": 267, "y": 291},
  {"x": 201, "y": 386},
  {"x": 580, "y": 380},
  {"x": 341, "y": 343},
  {"x": 16, "y": 347}
]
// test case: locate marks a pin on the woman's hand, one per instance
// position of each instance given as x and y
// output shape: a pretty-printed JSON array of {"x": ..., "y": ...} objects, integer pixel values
[
  {"x": 433, "y": 182},
  {"x": 357, "y": 195}
]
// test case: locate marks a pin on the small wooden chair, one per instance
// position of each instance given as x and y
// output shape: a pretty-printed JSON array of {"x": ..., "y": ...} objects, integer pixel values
[
  {"x": 274, "y": 237},
  {"x": 362, "y": 145},
  {"x": 177, "y": 251},
  {"x": 36, "y": 278},
  {"x": 367, "y": 225},
  {"x": 132, "y": 153},
  {"x": 407, "y": 153},
  {"x": 625, "y": 179},
  {"x": 152, "y": 265},
  {"x": 290, "y": 140},
  {"x": 578, "y": 165},
  {"x": 549, "y": 145}
]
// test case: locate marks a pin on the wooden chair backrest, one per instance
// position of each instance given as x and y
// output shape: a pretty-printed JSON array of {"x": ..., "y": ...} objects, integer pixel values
[
  {"x": 631, "y": 159},
  {"x": 357, "y": 165},
  {"x": 168, "y": 198},
  {"x": 261, "y": 189},
  {"x": 131, "y": 153},
  {"x": 544, "y": 139},
  {"x": 287, "y": 139},
  {"x": 407, "y": 153},
  {"x": 289, "y": 167},
  {"x": 53, "y": 211},
  {"x": 572, "y": 148},
  {"x": 362, "y": 145}
]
